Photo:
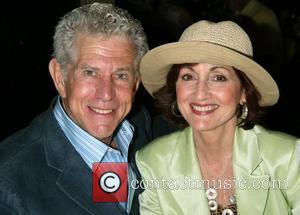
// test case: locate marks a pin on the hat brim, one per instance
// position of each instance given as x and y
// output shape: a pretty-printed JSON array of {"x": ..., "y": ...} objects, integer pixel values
[{"x": 156, "y": 64}]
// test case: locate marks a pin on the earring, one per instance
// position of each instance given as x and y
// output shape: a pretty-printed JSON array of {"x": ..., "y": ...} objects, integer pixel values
[
  {"x": 173, "y": 111},
  {"x": 244, "y": 112}
]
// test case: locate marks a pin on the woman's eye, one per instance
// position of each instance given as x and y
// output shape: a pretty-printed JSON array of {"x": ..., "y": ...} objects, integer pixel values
[
  {"x": 89, "y": 72},
  {"x": 219, "y": 78},
  {"x": 186, "y": 77}
]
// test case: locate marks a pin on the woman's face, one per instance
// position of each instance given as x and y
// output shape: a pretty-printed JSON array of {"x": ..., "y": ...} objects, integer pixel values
[{"x": 208, "y": 95}]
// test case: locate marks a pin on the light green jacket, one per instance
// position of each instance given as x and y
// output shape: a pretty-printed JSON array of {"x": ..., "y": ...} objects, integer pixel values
[{"x": 266, "y": 170}]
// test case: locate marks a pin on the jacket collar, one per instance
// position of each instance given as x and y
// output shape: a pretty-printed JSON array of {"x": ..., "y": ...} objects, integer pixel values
[
  {"x": 184, "y": 150},
  {"x": 246, "y": 153},
  {"x": 249, "y": 177},
  {"x": 246, "y": 160},
  {"x": 185, "y": 163},
  {"x": 75, "y": 177}
]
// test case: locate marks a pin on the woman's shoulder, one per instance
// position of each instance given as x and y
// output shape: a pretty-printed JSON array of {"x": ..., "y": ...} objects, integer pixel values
[
  {"x": 275, "y": 144},
  {"x": 280, "y": 153},
  {"x": 274, "y": 138}
]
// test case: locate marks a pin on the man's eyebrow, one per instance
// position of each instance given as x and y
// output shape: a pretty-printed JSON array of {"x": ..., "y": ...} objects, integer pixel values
[
  {"x": 86, "y": 66},
  {"x": 121, "y": 69},
  {"x": 126, "y": 69}
]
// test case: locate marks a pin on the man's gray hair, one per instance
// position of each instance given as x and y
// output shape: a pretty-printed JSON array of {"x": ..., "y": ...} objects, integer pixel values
[{"x": 96, "y": 19}]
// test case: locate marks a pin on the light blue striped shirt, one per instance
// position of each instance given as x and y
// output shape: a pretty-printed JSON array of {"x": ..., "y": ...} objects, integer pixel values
[{"x": 93, "y": 150}]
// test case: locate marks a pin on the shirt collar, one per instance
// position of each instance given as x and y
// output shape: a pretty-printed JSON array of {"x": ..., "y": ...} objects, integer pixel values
[{"x": 90, "y": 148}]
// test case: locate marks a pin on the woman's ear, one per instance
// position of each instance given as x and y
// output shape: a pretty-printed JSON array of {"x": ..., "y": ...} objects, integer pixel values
[
  {"x": 243, "y": 97},
  {"x": 57, "y": 77}
]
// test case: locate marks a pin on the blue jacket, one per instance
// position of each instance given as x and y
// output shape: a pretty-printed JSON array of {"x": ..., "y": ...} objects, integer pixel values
[{"x": 41, "y": 173}]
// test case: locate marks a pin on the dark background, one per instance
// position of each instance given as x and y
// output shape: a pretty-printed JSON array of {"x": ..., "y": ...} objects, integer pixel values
[{"x": 26, "y": 47}]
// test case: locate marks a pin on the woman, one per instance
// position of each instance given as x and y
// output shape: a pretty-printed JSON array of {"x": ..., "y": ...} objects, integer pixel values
[{"x": 221, "y": 162}]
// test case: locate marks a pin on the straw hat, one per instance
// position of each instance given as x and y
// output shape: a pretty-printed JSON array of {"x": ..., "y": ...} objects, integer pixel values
[{"x": 222, "y": 43}]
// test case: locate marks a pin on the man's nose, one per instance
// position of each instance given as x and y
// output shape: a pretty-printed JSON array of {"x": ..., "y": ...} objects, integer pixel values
[{"x": 106, "y": 89}]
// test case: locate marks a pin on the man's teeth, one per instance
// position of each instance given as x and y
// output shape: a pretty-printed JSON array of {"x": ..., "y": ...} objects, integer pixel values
[
  {"x": 101, "y": 111},
  {"x": 204, "y": 108}
]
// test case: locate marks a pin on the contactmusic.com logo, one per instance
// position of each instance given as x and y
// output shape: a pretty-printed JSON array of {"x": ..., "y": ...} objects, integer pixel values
[{"x": 109, "y": 182}]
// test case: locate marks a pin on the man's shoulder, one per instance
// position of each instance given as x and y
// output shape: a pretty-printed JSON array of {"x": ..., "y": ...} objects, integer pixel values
[
  {"x": 139, "y": 116},
  {"x": 23, "y": 139},
  {"x": 140, "y": 119}
]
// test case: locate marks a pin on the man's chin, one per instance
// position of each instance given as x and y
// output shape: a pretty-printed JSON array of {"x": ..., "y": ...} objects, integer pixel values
[{"x": 103, "y": 134}]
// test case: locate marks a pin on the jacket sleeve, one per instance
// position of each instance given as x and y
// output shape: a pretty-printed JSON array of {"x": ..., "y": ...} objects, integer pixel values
[
  {"x": 10, "y": 203},
  {"x": 293, "y": 181},
  {"x": 149, "y": 202}
]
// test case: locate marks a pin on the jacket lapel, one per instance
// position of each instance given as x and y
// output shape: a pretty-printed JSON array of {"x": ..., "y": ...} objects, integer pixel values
[
  {"x": 248, "y": 174},
  {"x": 133, "y": 172},
  {"x": 141, "y": 121},
  {"x": 76, "y": 181},
  {"x": 184, "y": 162},
  {"x": 75, "y": 177}
]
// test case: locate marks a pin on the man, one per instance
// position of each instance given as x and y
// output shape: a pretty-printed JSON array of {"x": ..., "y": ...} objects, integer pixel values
[{"x": 46, "y": 168}]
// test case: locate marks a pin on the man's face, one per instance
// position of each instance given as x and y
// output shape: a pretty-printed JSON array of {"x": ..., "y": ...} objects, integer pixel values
[{"x": 100, "y": 86}]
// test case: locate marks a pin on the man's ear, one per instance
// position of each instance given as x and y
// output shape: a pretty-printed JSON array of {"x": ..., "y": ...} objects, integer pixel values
[
  {"x": 57, "y": 77},
  {"x": 137, "y": 84}
]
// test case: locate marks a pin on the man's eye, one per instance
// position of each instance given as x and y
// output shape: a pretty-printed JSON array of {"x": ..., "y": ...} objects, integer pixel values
[
  {"x": 89, "y": 72},
  {"x": 187, "y": 77},
  {"x": 121, "y": 76},
  {"x": 219, "y": 78}
]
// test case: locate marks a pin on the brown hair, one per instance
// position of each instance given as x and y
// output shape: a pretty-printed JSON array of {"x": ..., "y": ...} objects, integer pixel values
[{"x": 166, "y": 97}]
